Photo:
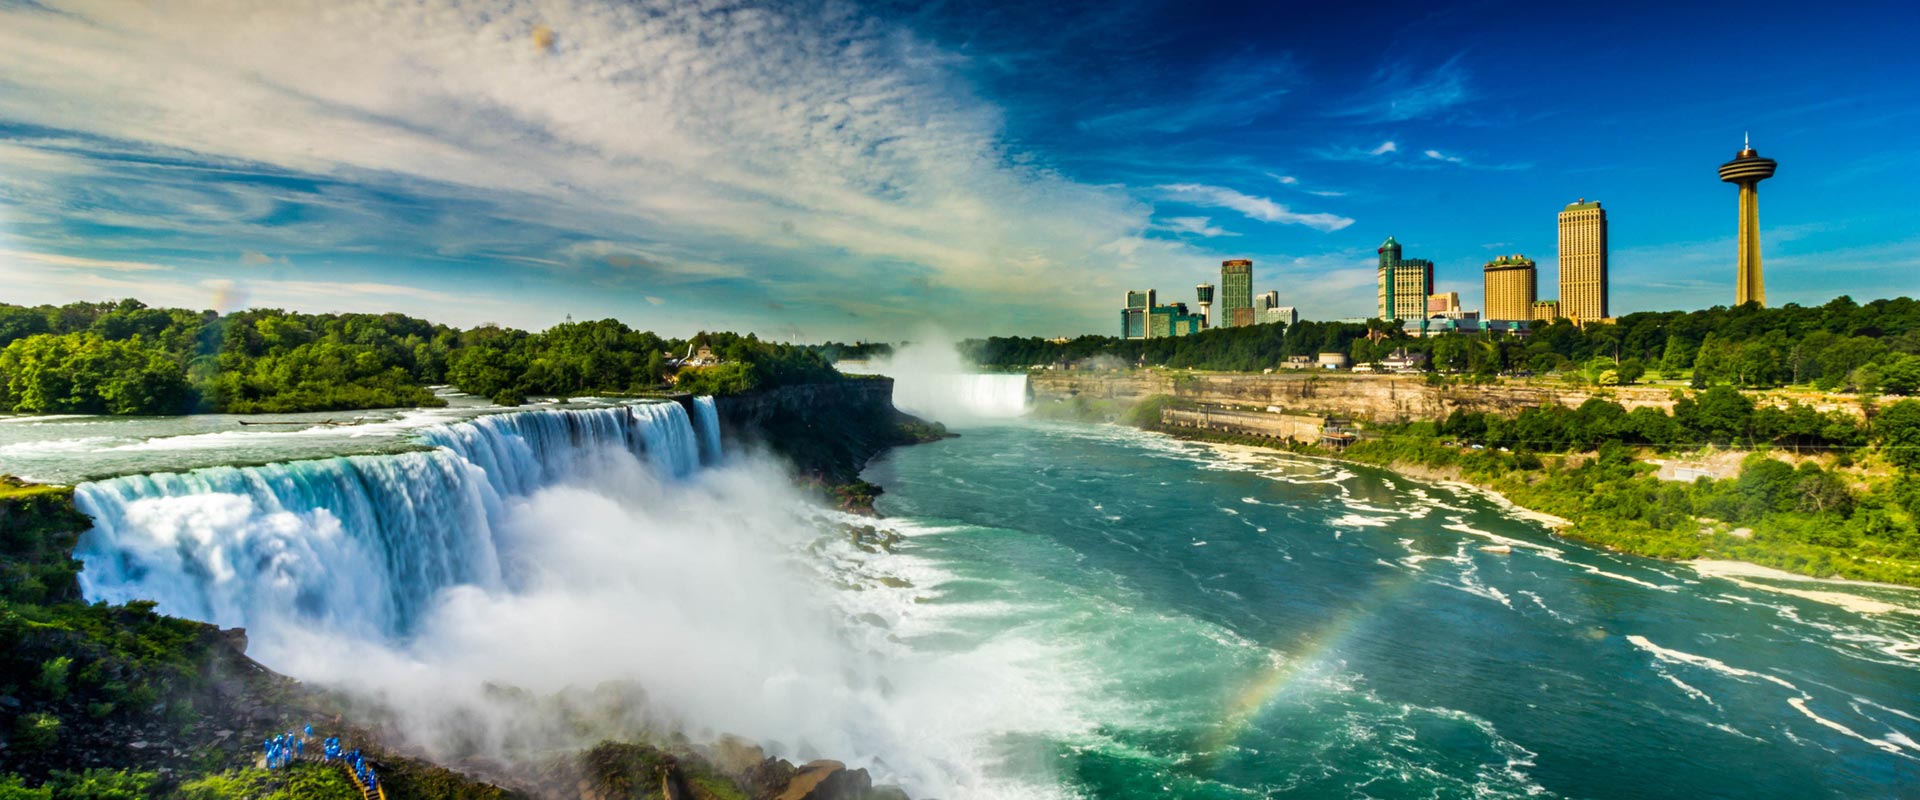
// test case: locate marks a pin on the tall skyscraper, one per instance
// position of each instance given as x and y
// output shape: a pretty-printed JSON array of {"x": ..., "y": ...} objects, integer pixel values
[
  {"x": 1236, "y": 292},
  {"x": 1204, "y": 293},
  {"x": 1133, "y": 317},
  {"x": 1583, "y": 261},
  {"x": 1512, "y": 284},
  {"x": 1748, "y": 169},
  {"x": 1266, "y": 300},
  {"x": 1404, "y": 284}
]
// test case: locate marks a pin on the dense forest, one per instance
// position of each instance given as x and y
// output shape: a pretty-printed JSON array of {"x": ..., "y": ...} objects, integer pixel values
[
  {"x": 128, "y": 358},
  {"x": 1841, "y": 345}
]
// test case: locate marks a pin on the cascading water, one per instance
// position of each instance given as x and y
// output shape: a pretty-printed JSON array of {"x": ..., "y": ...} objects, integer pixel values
[
  {"x": 365, "y": 541},
  {"x": 930, "y": 379},
  {"x": 568, "y": 557},
  {"x": 962, "y": 397},
  {"x": 707, "y": 419}
]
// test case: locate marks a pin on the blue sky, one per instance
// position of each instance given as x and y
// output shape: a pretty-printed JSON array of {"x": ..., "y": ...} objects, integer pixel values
[{"x": 846, "y": 170}]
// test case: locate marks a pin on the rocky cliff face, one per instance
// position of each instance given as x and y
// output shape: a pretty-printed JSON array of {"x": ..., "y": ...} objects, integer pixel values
[
  {"x": 1374, "y": 398},
  {"x": 829, "y": 431}
]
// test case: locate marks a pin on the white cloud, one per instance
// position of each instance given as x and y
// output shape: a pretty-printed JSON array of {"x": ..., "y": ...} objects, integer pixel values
[
  {"x": 1288, "y": 180},
  {"x": 1399, "y": 93},
  {"x": 1259, "y": 208},
  {"x": 1356, "y": 152},
  {"x": 810, "y": 140},
  {"x": 59, "y": 261},
  {"x": 1439, "y": 156},
  {"x": 1197, "y": 226}
]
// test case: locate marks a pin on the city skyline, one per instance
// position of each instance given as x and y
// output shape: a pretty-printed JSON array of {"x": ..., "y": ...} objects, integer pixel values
[{"x": 632, "y": 162}]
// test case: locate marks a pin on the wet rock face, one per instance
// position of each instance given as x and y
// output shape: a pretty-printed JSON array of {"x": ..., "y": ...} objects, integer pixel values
[{"x": 827, "y": 780}]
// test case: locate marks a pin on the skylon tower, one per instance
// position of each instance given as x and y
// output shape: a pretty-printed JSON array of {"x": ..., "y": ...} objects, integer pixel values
[{"x": 1747, "y": 170}]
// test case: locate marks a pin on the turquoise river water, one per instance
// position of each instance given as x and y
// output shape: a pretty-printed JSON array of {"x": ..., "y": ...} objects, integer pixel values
[{"x": 1239, "y": 623}]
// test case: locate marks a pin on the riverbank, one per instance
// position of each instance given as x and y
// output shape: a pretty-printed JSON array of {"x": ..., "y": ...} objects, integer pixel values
[
  {"x": 1815, "y": 491},
  {"x": 1600, "y": 499}
]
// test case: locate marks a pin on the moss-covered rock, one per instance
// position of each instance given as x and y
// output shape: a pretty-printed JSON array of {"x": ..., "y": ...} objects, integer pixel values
[{"x": 39, "y": 527}]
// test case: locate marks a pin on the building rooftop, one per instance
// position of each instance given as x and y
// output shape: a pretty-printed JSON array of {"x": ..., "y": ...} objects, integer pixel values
[{"x": 1581, "y": 204}]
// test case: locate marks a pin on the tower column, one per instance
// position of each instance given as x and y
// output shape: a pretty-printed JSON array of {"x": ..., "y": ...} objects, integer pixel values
[
  {"x": 1747, "y": 170},
  {"x": 1749, "y": 286}
]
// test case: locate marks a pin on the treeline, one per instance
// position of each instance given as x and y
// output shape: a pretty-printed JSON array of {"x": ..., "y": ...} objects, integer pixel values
[
  {"x": 836, "y": 352},
  {"x": 127, "y": 358},
  {"x": 1841, "y": 345},
  {"x": 1248, "y": 349},
  {"x": 1835, "y": 514},
  {"x": 1718, "y": 416}
]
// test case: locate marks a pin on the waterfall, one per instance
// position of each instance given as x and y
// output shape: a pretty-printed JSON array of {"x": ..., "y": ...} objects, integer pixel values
[
  {"x": 961, "y": 397},
  {"x": 361, "y": 542},
  {"x": 707, "y": 420}
]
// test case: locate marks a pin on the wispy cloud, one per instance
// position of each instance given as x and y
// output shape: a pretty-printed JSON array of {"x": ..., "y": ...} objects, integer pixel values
[
  {"x": 1198, "y": 226},
  {"x": 1293, "y": 183},
  {"x": 1352, "y": 153},
  {"x": 1400, "y": 92},
  {"x": 1436, "y": 158},
  {"x": 1234, "y": 93},
  {"x": 59, "y": 261},
  {"x": 1252, "y": 207}
]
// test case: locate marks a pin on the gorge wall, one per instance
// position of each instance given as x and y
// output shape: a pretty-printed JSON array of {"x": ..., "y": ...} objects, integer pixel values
[
  {"x": 829, "y": 431},
  {"x": 1372, "y": 398}
]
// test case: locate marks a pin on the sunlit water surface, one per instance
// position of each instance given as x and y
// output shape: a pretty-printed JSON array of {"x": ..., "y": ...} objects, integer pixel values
[{"x": 1232, "y": 622}]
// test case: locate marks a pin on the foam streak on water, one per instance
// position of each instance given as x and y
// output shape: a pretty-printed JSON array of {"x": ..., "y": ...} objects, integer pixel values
[{"x": 1347, "y": 634}]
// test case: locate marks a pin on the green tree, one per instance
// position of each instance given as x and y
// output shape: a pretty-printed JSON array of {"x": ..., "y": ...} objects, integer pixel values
[
  {"x": 1630, "y": 370},
  {"x": 1897, "y": 429},
  {"x": 1900, "y": 375}
]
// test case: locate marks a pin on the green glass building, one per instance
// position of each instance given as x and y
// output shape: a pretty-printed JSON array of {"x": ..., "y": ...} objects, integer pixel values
[{"x": 1236, "y": 293}]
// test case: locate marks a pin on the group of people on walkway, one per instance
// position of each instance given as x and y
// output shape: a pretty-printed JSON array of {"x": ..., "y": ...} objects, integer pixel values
[
  {"x": 284, "y": 749},
  {"x": 288, "y": 747}
]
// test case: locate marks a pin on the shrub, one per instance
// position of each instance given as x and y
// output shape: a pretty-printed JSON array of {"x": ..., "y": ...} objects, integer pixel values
[
  {"x": 53, "y": 677},
  {"x": 35, "y": 732}
]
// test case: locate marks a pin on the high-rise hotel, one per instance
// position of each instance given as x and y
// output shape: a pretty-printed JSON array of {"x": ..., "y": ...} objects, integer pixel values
[
  {"x": 1404, "y": 284},
  {"x": 1512, "y": 284},
  {"x": 1236, "y": 293},
  {"x": 1583, "y": 262}
]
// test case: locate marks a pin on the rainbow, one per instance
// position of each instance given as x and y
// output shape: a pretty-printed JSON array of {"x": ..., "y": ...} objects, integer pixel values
[{"x": 1298, "y": 658}]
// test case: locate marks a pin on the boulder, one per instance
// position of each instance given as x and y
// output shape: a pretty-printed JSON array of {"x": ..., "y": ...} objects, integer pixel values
[
  {"x": 827, "y": 780},
  {"x": 733, "y": 755}
]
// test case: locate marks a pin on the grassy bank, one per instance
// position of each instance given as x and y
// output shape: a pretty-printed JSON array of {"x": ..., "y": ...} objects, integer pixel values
[
  {"x": 1845, "y": 504},
  {"x": 1813, "y": 519}
]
